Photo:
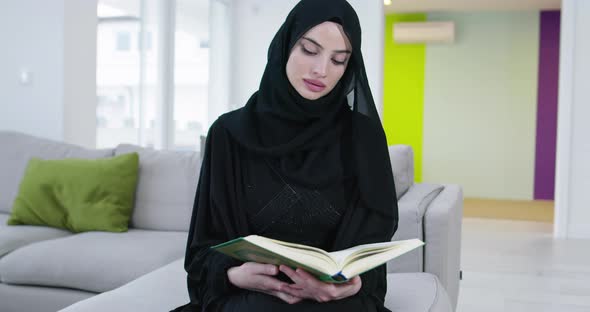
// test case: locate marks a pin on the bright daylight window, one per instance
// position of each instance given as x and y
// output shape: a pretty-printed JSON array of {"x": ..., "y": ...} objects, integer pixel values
[{"x": 137, "y": 103}]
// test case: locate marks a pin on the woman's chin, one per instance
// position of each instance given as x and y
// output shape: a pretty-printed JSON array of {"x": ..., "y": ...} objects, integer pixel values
[{"x": 309, "y": 95}]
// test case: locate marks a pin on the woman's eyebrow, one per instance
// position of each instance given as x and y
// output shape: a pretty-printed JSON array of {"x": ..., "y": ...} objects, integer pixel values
[{"x": 320, "y": 46}]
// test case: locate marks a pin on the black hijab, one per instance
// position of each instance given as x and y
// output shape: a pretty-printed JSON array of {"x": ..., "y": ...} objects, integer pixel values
[{"x": 309, "y": 140}]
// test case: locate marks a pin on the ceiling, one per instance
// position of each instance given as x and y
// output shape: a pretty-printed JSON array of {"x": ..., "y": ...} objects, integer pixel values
[{"x": 399, "y": 6}]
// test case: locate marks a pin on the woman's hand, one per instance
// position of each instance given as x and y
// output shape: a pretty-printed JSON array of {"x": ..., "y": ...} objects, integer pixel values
[
  {"x": 308, "y": 287},
  {"x": 259, "y": 277}
]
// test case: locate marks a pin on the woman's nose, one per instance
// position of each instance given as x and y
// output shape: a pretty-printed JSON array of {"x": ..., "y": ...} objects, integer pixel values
[{"x": 320, "y": 68}]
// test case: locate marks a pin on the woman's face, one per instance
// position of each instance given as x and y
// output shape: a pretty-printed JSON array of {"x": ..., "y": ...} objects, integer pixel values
[{"x": 318, "y": 60}]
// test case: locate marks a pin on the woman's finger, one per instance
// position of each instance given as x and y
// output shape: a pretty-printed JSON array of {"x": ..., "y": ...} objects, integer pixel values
[
  {"x": 267, "y": 283},
  {"x": 293, "y": 291},
  {"x": 288, "y": 298},
  {"x": 311, "y": 280},
  {"x": 259, "y": 268},
  {"x": 308, "y": 286},
  {"x": 292, "y": 274},
  {"x": 349, "y": 288},
  {"x": 355, "y": 280},
  {"x": 306, "y": 275}
]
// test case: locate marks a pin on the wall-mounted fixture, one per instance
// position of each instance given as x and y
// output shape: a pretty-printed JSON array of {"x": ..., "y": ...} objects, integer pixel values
[{"x": 424, "y": 32}]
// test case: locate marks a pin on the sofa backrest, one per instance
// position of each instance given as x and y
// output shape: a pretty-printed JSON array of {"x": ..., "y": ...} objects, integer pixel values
[
  {"x": 165, "y": 188},
  {"x": 17, "y": 148},
  {"x": 167, "y": 179},
  {"x": 402, "y": 164}
]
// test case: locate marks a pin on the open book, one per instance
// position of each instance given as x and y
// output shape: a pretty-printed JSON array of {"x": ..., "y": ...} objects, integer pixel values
[{"x": 332, "y": 267}]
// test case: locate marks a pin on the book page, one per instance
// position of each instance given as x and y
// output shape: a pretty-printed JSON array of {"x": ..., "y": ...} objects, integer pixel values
[
  {"x": 304, "y": 248},
  {"x": 265, "y": 252},
  {"x": 341, "y": 256},
  {"x": 308, "y": 255},
  {"x": 367, "y": 262}
]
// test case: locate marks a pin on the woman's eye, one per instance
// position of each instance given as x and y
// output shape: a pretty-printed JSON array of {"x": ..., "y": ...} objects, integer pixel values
[
  {"x": 306, "y": 51},
  {"x": 338, "y": 62}
]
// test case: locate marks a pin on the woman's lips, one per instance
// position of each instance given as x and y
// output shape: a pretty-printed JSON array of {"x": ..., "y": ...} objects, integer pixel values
[{"x": 314, "y": 86}]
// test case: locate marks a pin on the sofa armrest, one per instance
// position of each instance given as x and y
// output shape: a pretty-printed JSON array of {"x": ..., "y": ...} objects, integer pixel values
[
  {"x": 412, "y": 206},
  {"x": 442, "y": 235}
]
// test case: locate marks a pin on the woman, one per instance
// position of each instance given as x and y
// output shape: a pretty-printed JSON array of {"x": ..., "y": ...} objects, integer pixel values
[{"x": 296, "y": 163}]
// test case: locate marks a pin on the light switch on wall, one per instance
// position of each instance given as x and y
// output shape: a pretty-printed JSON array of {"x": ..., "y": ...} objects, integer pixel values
[{"x": 26, "y": 77}]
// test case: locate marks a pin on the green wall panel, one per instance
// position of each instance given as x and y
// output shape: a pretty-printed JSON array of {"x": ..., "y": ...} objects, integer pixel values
[{"x": 403, "y": 90}]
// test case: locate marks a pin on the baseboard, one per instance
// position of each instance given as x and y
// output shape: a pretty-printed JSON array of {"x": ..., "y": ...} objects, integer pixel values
[{"x": 524, "y": 210}]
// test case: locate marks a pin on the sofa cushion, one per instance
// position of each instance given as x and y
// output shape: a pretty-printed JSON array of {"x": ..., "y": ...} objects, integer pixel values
[
  {"x": 161, "y": 290},
  {"x": 78, "y": 194},
  {"x": 165, "y": 289},
  {"x": 16, "y": 298},
  {"x": 92, "y": 261},
  {"x": 413, "y": 292},
  {"x": 3, "y": 219},
  {"x": 402, "y": 164},
  {"x": 166, "y": 188},
  {"x": 13, "y": 237},
  {"x": 18, "y": 148}
]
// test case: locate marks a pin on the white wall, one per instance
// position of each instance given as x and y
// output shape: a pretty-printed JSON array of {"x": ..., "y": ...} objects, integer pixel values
[
  {"x": 54, "y": 41},
  {"x": 32, "y": 38},
  {"x": 220, "y": 71},
  {"x": 256, "y": 21},
  {"x": 480, "y": 103},
  {"x": 79, "y": 72},
  {"x": 572, "y": 211}
]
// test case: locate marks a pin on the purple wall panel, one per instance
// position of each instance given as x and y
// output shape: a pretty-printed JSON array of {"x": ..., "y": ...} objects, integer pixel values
[{"x": 547, "y": 105}]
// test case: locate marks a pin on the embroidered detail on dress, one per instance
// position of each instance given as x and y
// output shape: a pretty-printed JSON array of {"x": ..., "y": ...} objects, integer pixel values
[{"x": 276, "y": 207}]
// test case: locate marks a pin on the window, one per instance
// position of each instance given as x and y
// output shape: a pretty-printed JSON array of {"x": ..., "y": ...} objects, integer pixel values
[
  {"x": 123, "y": 41},
  {"x": 147, "y": 41},
  {"x": 158, "y": 94},
  {"x": 117, "y": 74},
  {"x": 191, "y": 74}
]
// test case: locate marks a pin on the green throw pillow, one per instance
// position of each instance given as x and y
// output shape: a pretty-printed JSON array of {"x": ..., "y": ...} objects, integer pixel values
[{"x": 78, "y": 194}]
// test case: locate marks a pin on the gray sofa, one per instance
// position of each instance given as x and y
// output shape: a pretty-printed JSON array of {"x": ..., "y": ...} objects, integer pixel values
[{"x": 46, "y": 269}]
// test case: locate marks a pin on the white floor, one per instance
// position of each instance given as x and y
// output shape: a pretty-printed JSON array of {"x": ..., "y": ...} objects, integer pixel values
[{"x": 516, "y": 266}]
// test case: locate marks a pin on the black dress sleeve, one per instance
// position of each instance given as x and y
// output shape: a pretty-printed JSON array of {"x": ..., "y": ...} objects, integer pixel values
[
  {"x": 364, "y": 226},
  {"x": 381, "y": 219},
  {"x": 374, "y": 282},
  {"x": 373, "y": 216},
  {"x": 211, "y": 224}
]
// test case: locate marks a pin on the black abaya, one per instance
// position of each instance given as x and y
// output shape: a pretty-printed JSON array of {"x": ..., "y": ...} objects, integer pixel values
[{"x": 235, "y": 184}]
